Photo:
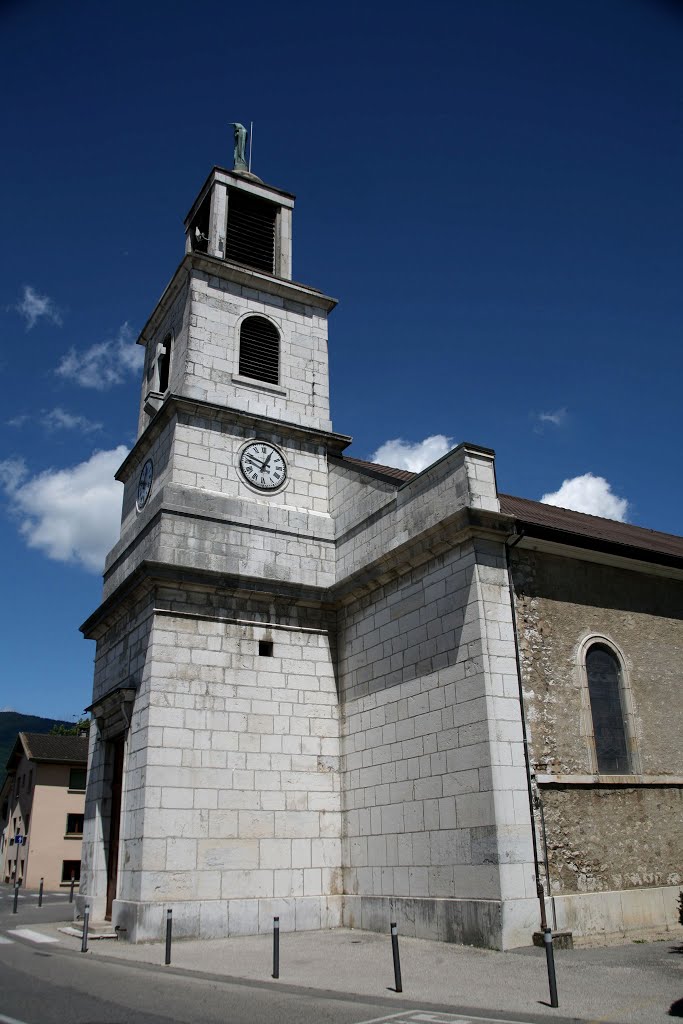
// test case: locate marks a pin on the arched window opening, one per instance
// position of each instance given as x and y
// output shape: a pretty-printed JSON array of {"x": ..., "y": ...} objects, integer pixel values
[
  {"x": 164, "y": 364},
  {"x": 259, "y": 350},
  {"x": 604, "y": 688}
]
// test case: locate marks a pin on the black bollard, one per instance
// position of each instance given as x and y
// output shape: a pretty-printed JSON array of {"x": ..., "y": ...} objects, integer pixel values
[
  {"x": 169, "y": 932},
  {"x": 71, "y": 890},
  {"x": 16, "y": 896},
  {"x": 550, "y": 958},
  {"x": 86, "y": 921},
  {"x": 276, "y": 947},
  {"x": 397, "y": 957},
  {"x": 40, "y": 894}
]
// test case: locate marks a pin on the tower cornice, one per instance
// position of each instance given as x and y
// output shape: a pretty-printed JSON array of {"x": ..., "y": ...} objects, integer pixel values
[
  {"x": 334, "y": 443},
  {"x": 236, "y": 274}
]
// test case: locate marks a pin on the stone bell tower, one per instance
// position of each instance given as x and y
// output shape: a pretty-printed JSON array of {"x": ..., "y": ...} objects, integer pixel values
[{"x": 214, "y": 762}]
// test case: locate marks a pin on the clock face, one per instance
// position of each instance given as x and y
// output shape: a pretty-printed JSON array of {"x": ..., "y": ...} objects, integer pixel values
[
  {"x": 145, "y": 484},
  {"x": 263, "y": 466}
]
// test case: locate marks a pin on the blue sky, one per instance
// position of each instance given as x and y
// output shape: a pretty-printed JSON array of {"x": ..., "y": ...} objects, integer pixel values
[{"x": 491, "y": 189}]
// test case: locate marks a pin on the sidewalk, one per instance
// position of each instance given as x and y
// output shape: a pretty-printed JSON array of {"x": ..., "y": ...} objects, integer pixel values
[{"x": 633, "y": 984}]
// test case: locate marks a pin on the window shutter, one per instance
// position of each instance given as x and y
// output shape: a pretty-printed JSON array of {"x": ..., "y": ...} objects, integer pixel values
[
  {"x": 251, "y": 231},
  {"x": 259, "y": 350}
]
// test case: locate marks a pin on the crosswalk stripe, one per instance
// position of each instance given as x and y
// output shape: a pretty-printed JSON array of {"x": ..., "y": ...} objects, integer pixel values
[
  {"x": 4, "y": 941},
  {"x": 28, "y": 933}
]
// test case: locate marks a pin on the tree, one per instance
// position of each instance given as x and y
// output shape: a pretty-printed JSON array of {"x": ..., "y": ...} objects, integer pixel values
[{"x": 79, "y": 727}]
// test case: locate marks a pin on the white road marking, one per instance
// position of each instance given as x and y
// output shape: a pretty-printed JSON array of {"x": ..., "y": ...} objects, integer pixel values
[
  {"x": 10, "y": 1020},
  {"x": 28, "y": 933},
  {"x": 4, "y": 941},
  {"x": 432, "y": 1017}
]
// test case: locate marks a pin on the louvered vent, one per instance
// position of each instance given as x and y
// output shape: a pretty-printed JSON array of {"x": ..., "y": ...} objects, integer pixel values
[
  {"x": 259, "y": 350},
  {"x": 251, "y": 231}
]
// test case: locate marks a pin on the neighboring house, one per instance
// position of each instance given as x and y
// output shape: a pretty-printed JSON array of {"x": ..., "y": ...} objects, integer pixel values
[
  {"x": 42, "y": 801},
  {"x": 345, "y": 693}
]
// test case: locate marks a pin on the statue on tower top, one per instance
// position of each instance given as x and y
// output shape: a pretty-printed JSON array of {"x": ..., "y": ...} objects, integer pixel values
[{"x": 240, "y": 159}]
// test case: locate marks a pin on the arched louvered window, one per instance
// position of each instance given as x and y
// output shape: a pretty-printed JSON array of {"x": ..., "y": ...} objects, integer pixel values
[
  {"x": 604, "y": 687},
  {"x": 259, "y": 350}
]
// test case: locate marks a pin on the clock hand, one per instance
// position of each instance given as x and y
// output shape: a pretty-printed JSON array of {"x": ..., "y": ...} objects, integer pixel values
[{"x": 265, "y": 464}]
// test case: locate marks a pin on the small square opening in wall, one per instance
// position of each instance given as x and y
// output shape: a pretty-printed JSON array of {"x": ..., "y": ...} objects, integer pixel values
[{"x": 265, "y": 648}]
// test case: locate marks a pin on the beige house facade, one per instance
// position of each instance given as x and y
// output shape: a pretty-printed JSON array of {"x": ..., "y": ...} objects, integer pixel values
[
  {"x": 43, "y": 803},
  {"x": 347, "y": 694}
]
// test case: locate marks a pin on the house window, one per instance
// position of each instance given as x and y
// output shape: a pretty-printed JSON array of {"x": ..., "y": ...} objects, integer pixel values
[
  {"x": 77, "y": 779},
  {"x": 71, "y": 868},
  {"x": 265, "y": 648},
  {"x": 74, "y": 824},
  {"x": 605, "y": 691},
  {"x": 259, "y": 350}
]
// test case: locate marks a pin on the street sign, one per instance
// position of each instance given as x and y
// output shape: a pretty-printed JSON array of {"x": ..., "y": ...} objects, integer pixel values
[{"x": 19, "y": 840}]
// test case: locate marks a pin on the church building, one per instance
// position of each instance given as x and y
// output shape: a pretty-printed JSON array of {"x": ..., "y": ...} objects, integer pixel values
[{"x": 347, "y": 694}]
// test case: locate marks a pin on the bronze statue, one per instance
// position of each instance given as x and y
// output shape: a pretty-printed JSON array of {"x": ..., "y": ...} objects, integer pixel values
[{"x": 240, "y": 160}]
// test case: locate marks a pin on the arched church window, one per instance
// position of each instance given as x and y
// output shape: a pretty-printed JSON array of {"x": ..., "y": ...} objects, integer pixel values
[
  {"x": 259, "y": 350},
  {"x": 605, "y": 691}
]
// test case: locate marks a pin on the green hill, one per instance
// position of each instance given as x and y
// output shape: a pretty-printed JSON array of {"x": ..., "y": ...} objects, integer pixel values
[{"x": 11, "y": 722}]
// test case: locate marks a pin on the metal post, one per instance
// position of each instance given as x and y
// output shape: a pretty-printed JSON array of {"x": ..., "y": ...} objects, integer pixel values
[
  {"x": 550, "y": 958},
  {"x": 276, "y": 947},
  {"x": 16, "y": 895},
  {"x": 86, "y": 922},
  {"x": 40, "y": 893},
  {"x": 397, "y": 958},
  {"x": 71, "y": 890},
  {"x": 169, "y": 932}
]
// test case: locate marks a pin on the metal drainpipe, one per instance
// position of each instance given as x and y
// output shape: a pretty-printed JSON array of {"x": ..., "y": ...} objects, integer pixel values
[{"x": 516, "y": 538}]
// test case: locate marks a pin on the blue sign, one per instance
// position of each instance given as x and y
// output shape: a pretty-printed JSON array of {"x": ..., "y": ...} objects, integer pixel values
[{"x": 19, "y": 840}]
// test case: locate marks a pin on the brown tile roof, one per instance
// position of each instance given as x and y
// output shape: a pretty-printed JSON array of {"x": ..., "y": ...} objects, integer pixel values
[
  {"x": 45, "y": 747},
  {"x": 586, "y": 531},
  {"x": 665, "y": 546},
  {"x": 388, "y": 473}
]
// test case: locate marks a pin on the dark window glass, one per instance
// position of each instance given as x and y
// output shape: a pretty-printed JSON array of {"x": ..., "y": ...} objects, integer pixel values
[
  {"x": 164, "y": 363},
  {"x": 69, "y": 868},
  {"x": 77, "y": 778},
  {"x": 259, "y": 350},
  {"x": 604, "y": 687},
  {"x": 265, "y": 648},
  {"x": 74, "y": 824}
]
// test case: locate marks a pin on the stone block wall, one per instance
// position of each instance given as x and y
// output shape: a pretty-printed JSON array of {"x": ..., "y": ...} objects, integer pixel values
[
  {"x": 218, "y": 306},
  {"x": 240, "y": 765},
  {"x": 435, "y": 797}
]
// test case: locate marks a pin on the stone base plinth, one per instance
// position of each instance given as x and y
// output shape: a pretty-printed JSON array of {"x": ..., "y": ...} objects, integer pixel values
[
  {"x": 492, "y": 924},
  {"x": 218, "y": 919},
  {"x": 599, "y": 917}
]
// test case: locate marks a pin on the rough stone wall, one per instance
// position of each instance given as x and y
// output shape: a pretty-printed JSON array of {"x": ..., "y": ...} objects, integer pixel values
[
  {"x": 614, "y": 838},
  {"x": 605, "y": 835}
]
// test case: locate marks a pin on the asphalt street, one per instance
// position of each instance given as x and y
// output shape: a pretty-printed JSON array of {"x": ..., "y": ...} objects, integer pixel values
[{"x": 331, "y": 978}]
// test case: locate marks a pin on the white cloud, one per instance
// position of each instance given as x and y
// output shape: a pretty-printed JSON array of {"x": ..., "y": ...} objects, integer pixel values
[
  {"x": 71, "y": 515},
  {"x": 557, "y": 417},
  {"x": 60, "y": 419},
  {"x": 105, "y": 363},
  {"x": 34, "y": 307},
  {"x": 413, "y": 456},
  {"x": 18, "y": 421},
  {"x": 591, "y": 494}
]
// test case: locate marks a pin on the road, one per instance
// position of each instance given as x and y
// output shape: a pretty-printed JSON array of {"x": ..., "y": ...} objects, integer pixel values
[{"x": 42, "y": 982}]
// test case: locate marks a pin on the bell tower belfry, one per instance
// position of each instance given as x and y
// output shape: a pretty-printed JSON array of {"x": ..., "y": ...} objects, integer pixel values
[{"x": 215, "y": 710}]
